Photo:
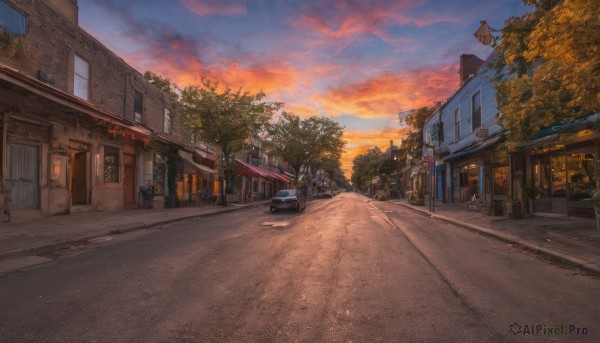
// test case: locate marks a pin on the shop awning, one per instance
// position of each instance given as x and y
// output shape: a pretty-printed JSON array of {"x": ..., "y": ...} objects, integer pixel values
[
  {"x": 191, "y": 167},
  {"x": 244, "y": 168},
  {"x": 115, "y": 124},
  {"x": 278, "y": 176},
  {"x": 472, "y": 151}
]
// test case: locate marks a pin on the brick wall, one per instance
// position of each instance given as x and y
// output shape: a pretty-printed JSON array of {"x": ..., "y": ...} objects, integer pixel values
[
  {"x": 53, "y": 41},
  {"x": 469, "y": 65}
]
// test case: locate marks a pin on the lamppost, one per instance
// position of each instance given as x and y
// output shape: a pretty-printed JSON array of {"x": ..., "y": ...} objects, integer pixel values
[
  {"x": 410, "y": 158},
  {"x": 484, "y": 34},
  {"x": 433, "y": 177}
]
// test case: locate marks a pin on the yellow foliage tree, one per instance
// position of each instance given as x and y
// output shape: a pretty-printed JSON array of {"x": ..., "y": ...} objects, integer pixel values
[{"x": 553, "y": 56}]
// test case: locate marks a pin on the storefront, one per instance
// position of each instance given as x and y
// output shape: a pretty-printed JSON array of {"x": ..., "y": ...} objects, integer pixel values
[
  {"x": 563, "y": 177},
  {"x": 468, "y": 181}
]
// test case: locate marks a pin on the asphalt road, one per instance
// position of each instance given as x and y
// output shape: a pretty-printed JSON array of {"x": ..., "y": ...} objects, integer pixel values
[{"x": 344, "y": 270}]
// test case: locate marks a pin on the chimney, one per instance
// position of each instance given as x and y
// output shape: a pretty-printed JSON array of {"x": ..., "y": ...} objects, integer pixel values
[
  {"x": 67, "y": 8},
  {"x": 469, "y": 65}
]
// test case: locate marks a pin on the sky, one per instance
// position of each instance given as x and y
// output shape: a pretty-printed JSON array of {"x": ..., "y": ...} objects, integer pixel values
[{"x": 358, "y": 62}]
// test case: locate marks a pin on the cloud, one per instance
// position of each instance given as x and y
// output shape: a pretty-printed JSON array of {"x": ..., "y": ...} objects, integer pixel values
[
  {"x": 356, "y": 143},
  {"x": 216, "y": 7},
  {"x": 389, "y": 93},
  {"x": 344, "y": 22},
  {"x": 270, "y": 76}
]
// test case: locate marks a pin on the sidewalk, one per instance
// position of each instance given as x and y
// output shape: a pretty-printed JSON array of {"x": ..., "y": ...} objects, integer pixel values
[
  {"x": 31, "y": 237},
  {"x": 570, "y": 240}
]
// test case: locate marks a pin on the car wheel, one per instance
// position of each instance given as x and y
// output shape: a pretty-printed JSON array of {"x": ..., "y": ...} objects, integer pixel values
[
  {"x": 298, "y": 207},
  {"x": 273, "y": 210}
]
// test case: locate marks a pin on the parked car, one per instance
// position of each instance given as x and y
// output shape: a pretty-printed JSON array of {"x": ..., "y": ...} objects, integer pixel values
[
  {"x": 288, "y": 199},
  {"x": 326, "y": 194}
]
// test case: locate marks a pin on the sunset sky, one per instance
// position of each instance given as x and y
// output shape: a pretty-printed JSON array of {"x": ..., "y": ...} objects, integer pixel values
[{"x": 357, "y": 62}]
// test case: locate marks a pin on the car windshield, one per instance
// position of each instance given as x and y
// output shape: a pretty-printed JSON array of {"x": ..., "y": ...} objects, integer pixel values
[{"x": 285, "y": 193}]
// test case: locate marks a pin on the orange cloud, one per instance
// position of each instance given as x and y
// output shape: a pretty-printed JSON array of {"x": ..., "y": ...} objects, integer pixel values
[
  {"x": 301, "y": 110},
  {"x": 388, "y": 93},
  {"x": 216, "y": 7},
  {"x": 356, "y": 143},
  {"x": 340, "y": 23},
  {"x": 269, "y": 76}
]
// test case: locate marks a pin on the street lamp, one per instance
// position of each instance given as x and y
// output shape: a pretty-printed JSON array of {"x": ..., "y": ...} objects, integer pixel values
[
  {"x": 433, "y": 177},
  {"x": 409, "y": 179},
  {"x": 484, "y": 34}
]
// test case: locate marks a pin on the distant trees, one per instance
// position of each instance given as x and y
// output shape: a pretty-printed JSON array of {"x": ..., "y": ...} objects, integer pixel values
[
  {"x": 225, "y": 118},
  {"x": 554, "y": 56},
  {"x": 306, "y": 144},
  {"x": 366, "y": 166}
]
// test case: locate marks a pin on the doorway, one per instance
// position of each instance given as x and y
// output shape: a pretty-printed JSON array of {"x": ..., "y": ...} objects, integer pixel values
[
  {"x": 129, "y": 180},
  {"x": 23, "y": 176},
  {"x": 79, "y": 177}
]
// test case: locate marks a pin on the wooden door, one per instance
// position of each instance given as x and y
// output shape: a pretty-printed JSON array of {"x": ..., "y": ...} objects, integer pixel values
[
  {"x": 23, "y": 177},
  {"x": 129, "y": 179},
  {"x": 79, "y": 187},
  {"x": 129, "y": 185}
]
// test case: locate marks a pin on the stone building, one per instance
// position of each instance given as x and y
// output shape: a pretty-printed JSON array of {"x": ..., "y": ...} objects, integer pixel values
[{"x": 81, "y": 129}]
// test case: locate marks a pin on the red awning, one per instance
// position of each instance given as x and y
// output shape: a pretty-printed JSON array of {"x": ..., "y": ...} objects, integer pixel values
[
  {"x": 248, "y": 169},
  {"x": 279, "y": 176}
]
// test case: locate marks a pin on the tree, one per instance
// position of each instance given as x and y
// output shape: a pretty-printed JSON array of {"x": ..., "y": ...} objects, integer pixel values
[
  {"x": 333, "y": 169},
  {"x": 366, "y": 166},
  {"x": 287, "y": 139},
  {"x": 412, "y": 144},
  {"x": 225, "y": 119},
  {"x": 553, "y": 57},
  {"x": 164, "y": 84},
  {"x": 307, "y": 143}
]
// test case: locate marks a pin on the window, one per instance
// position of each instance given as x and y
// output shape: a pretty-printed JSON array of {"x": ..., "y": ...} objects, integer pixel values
[
  {"x": 167, "y": 124},
  {"x": 111, "y": 165},
  {"x": 457, "y": 124},
  {"x": 81, "y": 78},
  {"x": 138, "y": 106},
  {"x": 501, "y": 180},
  {"x": 437, "y": 132},
  {"x": 476, "y": 101},
  {"x": 12, "y": 20}
]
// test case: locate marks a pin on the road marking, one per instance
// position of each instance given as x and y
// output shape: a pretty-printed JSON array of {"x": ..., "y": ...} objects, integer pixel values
[
  {"x": 275, "y": 224},
  {"x": 100, "y": 239}
]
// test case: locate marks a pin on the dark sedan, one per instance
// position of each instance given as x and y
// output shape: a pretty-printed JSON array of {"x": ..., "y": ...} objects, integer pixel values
[{"x": 288, "y": 199}]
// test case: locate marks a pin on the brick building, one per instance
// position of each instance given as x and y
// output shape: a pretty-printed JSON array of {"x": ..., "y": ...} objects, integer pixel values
[{"x": 81, "y": 129}]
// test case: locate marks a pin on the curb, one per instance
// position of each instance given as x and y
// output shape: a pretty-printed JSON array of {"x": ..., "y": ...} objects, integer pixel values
[
  {"x": 527, "y": 245},
  {"x": 121, "y": 229}
]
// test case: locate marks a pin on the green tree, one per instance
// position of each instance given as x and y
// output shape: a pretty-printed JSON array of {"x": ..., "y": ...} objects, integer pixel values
[
  {"x": 333, "y": 169},
  {"x": 164, "y": 84},
  {"x": 226, "y": 118},
  {"x": 412, "y": 144},
  {"x": 553, "y": 58},
  {"x": 366, "y": 166},
  {"x": 287, "y": 139},
  {"x": 306, "y": 143}
]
